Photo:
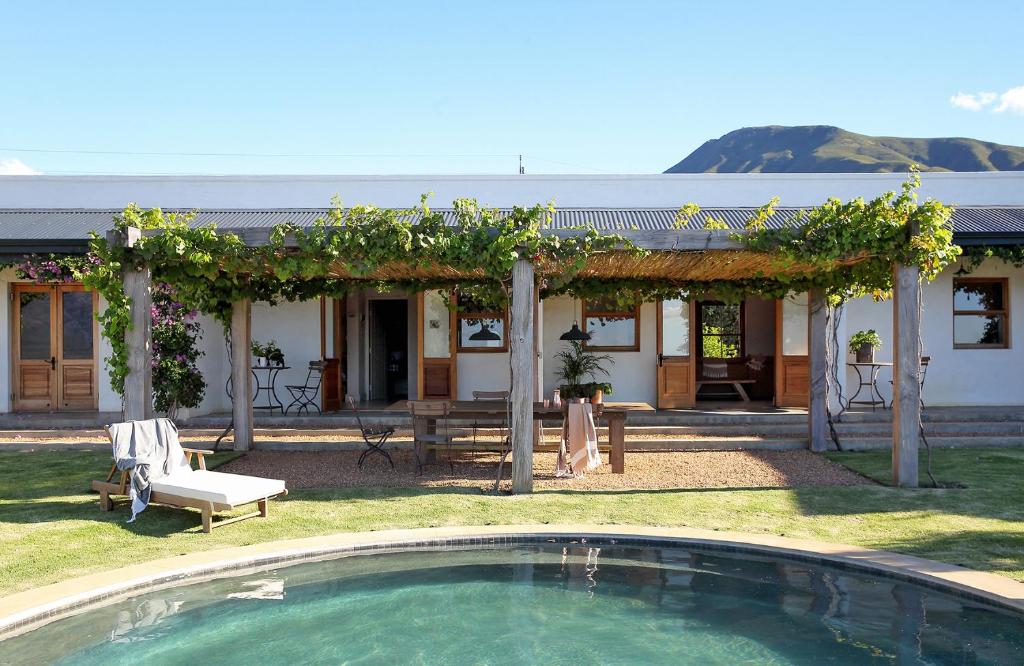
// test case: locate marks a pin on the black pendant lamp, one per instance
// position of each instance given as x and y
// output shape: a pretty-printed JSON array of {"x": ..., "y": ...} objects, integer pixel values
[
  {"x": 574, "y": 334},
  {"x": 485, "y": 334}
]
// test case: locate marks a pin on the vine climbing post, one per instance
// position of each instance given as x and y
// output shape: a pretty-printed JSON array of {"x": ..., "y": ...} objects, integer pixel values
[
  {"x": 521, "y": 328},
  {"x": 138, "y": 383},
  {"x": 817, "y": 414},
  {"x": 906, "y": 386},
  {"x": 241, "y": 375}
]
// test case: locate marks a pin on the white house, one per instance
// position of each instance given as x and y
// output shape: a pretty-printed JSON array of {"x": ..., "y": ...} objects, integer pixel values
[{"x": 390, "y": 345}]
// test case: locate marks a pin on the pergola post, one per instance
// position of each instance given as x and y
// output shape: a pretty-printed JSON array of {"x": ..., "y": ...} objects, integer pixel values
[
  {"x": 138, "y": 383},
  {"x": 906, "y": 387},
  {"x": 817, "y": 413},
  {"x": 521, "y": 332},
  {"x": 241, "y": 375}
]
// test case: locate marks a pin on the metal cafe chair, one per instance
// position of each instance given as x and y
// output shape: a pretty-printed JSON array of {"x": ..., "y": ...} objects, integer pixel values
[
  {"x": 304, "y": 395},
  {"x": 490, "y": 395},
  {"x": 925, "y": 361},
  {"x": 374, "y": 437}
]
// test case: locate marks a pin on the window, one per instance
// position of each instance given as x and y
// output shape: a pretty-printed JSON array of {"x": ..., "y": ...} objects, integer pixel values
[
  {"x": 481, "y": 328},
  {"x": 981, "y": 313},
  {"x": 611, "y": 327},
  {"x": 721, "y": 329}
]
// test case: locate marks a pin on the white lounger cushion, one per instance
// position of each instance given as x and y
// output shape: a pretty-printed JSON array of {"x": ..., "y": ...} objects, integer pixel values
[{"x": 218, "y": 487}]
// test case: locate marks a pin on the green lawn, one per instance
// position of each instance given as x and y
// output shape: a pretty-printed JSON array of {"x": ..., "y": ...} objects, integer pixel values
[{"x": 51, "y": 529}]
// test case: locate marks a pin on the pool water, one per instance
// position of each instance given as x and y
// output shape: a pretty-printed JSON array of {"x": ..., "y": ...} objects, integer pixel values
[{"x": 535, "y": 604}]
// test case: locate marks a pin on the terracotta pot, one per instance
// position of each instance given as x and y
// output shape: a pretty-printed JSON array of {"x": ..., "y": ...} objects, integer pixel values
[
  {"x": 597, "y": 398},
  {"x": 866, "y": 354}
]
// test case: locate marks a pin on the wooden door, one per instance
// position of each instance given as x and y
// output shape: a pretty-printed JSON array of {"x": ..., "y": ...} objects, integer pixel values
[
  {"x": 54, "y": 348},
  {"x": 792, "y": 367},
  {"x": 435, "y": 346},
  {"x": 676, "y": 367}
]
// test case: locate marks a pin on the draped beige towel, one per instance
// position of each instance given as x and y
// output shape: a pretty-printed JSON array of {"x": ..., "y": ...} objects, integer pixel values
[{"x": 579, "y": 440}]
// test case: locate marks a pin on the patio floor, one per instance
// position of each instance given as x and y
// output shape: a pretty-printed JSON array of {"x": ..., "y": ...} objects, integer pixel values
[{"x": 646, "y": 471}]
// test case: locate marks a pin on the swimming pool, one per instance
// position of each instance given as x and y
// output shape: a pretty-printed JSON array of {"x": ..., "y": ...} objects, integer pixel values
[{"x": 553, "y": 602}]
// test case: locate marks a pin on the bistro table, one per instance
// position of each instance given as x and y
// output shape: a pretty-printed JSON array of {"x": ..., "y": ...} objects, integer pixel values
[
  {"x": 267, "y": 386},
  {"x": 612, "y": 412},
  {"x": 872, "y": 370}
]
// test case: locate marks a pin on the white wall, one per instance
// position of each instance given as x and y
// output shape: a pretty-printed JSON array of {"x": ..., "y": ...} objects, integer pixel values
[
  {"x": 955, "y": 376},
  {"x": 633, "y": 375},
  {"x": 296, "y": 329}
]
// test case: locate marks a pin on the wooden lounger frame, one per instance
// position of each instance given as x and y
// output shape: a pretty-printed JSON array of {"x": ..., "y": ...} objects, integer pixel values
[{"x": 108, "y": 488}]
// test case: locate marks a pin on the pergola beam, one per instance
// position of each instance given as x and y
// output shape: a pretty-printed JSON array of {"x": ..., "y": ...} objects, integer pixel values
[
  {"x": 241, "y": 375},
  {"x": 818, "y": 370},
  {"x": 906, "y": 382},
  {"x": 521, "y": 337},
  {"x": 138, "y": 383},
  {"x": 654, "y": 239}
]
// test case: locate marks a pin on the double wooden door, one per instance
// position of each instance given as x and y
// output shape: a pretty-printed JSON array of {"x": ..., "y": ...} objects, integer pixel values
[{"x": 54, "y": 348}]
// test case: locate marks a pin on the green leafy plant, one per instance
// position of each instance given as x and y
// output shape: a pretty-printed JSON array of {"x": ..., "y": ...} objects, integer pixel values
[
  {"x": 270, "y": 351},
  {"x": 846, "y": 249},
  {"x": 861, "y": 338},
  {"x": 576, "y": 365}
]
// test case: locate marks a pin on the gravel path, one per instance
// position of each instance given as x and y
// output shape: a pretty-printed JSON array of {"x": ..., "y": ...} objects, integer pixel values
[{"x": 654, "y": 470}]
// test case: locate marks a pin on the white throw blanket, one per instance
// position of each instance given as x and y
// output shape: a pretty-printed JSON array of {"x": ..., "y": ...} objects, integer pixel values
[
  {"x": 149, "y": 450},
  {"x": 579, "y": 441}
]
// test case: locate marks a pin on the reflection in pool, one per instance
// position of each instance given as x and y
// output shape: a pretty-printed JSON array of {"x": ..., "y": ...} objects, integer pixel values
[{"x": 544, "y": 604}]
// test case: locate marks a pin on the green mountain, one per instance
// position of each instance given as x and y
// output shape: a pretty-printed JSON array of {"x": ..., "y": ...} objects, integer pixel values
[{"x": 826, "y": 149}]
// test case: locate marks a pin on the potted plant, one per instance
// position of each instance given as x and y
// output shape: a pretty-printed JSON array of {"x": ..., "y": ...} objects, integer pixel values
[
  {"x": 576, "y": 366},
  {"x": 274, "y": 354},
  {"x": 864, "y": 344},
  {"x": 267, "y": 354},
  {"x": 259, "y": 352}
]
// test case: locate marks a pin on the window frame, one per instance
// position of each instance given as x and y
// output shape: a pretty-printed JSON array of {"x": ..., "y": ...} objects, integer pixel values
[
  {"x": 634, "y": 312},
  {"x": 700, "y": 329},
  {"x": 1004, "y": 312},
  {"x": 488, "y": 314}
]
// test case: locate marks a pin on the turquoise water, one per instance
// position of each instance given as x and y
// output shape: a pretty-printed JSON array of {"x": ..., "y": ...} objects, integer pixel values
[{"x": 548, "y": 604}]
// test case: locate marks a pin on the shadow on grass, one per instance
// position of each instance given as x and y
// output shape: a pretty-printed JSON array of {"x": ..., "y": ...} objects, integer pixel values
[{"x": 996, "y": 550}]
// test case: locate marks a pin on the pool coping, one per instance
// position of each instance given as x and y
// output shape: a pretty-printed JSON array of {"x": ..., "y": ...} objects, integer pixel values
[{"x": 30, "y": 609}]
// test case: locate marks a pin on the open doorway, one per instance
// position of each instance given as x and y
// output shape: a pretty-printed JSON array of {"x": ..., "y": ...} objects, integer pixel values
[
  {"x": 735, "y": 350},
  {"x": 388, "y": 345}
]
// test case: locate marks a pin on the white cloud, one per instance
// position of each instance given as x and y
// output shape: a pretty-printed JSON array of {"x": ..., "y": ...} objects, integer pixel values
[
  {"x": 1012, "y": 100},
  {"x": 972, "y": 101},
  {"x": 15, "y": 167}
]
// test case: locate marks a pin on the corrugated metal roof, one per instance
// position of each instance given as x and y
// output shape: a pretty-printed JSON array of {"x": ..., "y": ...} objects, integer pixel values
[{"x": 66, "y": 224}]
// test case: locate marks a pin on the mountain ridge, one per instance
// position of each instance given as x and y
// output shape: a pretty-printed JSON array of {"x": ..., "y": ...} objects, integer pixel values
[{"x": 830, "y": 149}]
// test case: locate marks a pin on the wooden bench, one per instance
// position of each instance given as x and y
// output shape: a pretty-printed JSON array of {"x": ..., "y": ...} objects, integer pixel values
[{"x": 737, "y": 385}]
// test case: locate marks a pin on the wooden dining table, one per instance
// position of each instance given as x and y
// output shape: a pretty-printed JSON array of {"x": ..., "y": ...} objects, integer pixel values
[{"x": 613, "y": 413}]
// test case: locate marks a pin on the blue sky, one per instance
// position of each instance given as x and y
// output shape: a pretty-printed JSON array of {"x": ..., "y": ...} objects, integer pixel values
[{"x": 464, "y": 87}]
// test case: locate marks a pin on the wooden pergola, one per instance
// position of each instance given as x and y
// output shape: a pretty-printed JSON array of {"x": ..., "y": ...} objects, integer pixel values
[{"x": 674, "y": 255}]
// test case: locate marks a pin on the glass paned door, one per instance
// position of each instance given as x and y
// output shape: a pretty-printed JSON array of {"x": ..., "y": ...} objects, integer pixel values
[
  {"x": 35, "y": 361},
  {"x": 792, "y": 369},
  {"x": 76, "y": 349},
  {"x": 675, "y": 354},
  {"x": 437, "y": 350}
]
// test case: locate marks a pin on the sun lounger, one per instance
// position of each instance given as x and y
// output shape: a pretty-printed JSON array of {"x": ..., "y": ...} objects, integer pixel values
[{"x": 199, "y": 489}]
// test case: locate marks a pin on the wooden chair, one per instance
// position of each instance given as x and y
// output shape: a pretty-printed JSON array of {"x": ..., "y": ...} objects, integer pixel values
[
  {"x": 432, "y": 431},
  {"x": 207, "y": 491}
]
